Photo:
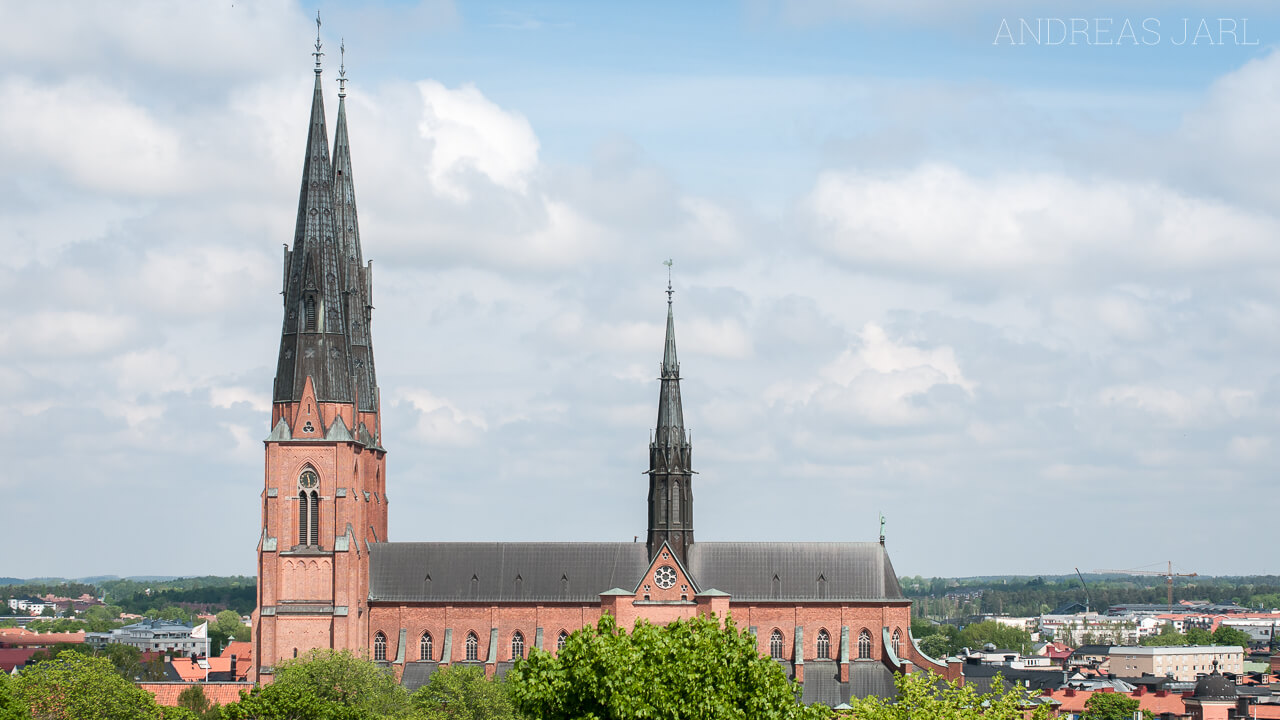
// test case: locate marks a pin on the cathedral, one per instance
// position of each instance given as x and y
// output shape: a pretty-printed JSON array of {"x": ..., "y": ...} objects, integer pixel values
[{"x": 831, "y": 614}]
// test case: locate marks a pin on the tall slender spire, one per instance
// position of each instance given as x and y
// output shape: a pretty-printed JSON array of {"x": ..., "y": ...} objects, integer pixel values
[
  {"x": 313, "y": 340},
  {"x": 670, "y": 456},
  {"x": 357, "y": 277}
]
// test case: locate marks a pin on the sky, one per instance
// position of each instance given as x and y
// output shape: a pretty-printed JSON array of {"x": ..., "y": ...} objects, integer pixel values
[{"x": 1002, "y": 271}]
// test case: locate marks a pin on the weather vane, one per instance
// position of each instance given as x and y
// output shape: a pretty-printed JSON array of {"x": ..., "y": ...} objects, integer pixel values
[
  {"x": 342, "y": 68},
  {"x": 668, "y": 262},
  {"x": 881, "y": 528},
  {"x": 317, "y": 53}
]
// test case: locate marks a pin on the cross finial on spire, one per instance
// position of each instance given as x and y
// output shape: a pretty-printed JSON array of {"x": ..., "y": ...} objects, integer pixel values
[
  {"x": 342, "y": 68},
  {"x": 317, "y": 53},
  {"x": 668, "y": 262}
]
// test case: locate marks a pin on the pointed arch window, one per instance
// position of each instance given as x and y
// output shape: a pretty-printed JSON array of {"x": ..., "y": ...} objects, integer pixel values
[
  {"x": 309, "y": 507},
  {"x": 775, "y": 644},
  {"x": 864, "y": 645},
  {"x": 560, "y": 641},
  {"x": 897, "y": 642},
  {"x": 473, "y": 647},
  {"x": 424, "y": 647},
  {"x": 380, "y": 646},
  {"x": 675, "y": 503},
  {"x": 824, "y": 645},
  {"x": 517, "y": 645}
]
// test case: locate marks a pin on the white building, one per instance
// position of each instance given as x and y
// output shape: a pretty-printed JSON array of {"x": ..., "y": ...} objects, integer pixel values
[
  {"x": 1182, "y": 662},
  {"x": 164, "y": 635}
]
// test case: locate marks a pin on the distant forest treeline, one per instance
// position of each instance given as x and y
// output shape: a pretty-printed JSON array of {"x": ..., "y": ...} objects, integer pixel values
[
  {"x": 209, "y": 593},
  {"x": 942, "y": 598}
]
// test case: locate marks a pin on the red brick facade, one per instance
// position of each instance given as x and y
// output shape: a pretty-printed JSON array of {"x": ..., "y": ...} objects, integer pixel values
[{"x": 315, "y": 596}]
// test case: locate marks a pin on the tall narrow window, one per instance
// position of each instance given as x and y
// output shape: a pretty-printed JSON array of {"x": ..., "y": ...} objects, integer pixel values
[
  {"x": 775, "y": 644},
  {"x": 517, "y": 645},
  {"x": 308, "y": 508},
  {"x": 303, "y": 515},
  {"x": 864, "y": 645},
  {"x": 675, "y": 503},
  {"x": 824, "y": 645},
  {"x": 309, "y": 312},
  {"x": 897, "y": 643},
  {"x": 473, "y": 647},
  {"x": 314, "y": 520},
  {"x": 380, "y": 646},
  {"x": 561, "y": 640},
  {"x": 424, "y": 647}
]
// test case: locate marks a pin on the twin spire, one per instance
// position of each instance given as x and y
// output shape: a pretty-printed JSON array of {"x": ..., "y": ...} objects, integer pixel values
[{"x": 327, "y": 294}]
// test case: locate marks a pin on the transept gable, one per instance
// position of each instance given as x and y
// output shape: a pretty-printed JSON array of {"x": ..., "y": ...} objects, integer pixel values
[{"x": 666, "y": 579}]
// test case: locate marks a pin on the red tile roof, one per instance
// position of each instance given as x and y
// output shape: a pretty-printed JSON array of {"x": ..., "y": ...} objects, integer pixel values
[
  {"x": 15, "y": 657},
  {"x": 22, "y": 637},
  {"x": 218, "y": 693},
  {"x": 241, "y": 649},
  {"x": 190, "y": 670},
  {"x": 1073, "y": 701}
]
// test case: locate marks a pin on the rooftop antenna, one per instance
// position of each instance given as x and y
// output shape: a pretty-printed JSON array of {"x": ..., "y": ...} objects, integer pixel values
[
  {"x": 342, "y": 68},
  {"x": 317, "y": 53},
  {"x": 668, "y": 262},
  {"x": 881, "y": 528}
]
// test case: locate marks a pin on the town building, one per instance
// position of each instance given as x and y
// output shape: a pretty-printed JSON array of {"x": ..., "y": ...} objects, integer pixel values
[
  {"x": 166, "y": 636},
  {"x": 1181, "y": 662},
  {"x": 832, "y": 614}
]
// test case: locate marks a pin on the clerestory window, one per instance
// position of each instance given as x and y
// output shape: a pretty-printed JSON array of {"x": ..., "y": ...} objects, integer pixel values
[
  {"x": 775, "y": 644},
  {"x": 473, "y": 647}
]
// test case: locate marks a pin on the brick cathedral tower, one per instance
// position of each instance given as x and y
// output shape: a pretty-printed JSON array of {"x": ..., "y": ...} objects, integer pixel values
[
  {"x": 670, "y": 459},
  {"x": 324, "y": 498}
]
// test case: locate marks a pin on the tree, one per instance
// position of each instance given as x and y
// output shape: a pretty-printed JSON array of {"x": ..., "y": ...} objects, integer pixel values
[
  {"x": 75, "y": 685},
  {"x": 1002, "y": 636},
  {"x": 11, "y": 707},
  {"x": 1112, "y": 706},
  {"x": 1168, "y": 636},
  {"x": 937, "y": 646},
  {"x": 925, "y": 695},
  {"x": 194, "y": 699},
  {"x": 324, "y": 685},
  {"x": 462, "y": 693},
  {"x": 689, "y": 669},
  {"x": 1225, "y": 635},
  {"x": 1199, "y": 636}
]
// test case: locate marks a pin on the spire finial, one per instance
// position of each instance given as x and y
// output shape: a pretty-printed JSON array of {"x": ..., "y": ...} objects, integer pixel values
[
  {"x": 881, "y": 528},
  {"x": 668, "y": 262},
  {"x": 317, "y": 53},
  {"x": 342, "y": 68}
]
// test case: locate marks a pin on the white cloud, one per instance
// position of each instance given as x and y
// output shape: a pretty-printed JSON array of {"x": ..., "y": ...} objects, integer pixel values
[
  {"x": 878, "y": 380},
  {"x": 94, "y": 134},
  {"x": 65, "y": 334},
  {"x": 471, "y": 134},
  {"x": 1019, "y": 230},
  {"x": 440, "y": 422}
]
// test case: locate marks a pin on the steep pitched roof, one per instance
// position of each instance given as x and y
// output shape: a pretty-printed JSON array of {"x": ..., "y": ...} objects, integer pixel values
[
  {"x": 804, "y": 571},
  {"x": 579, "y": 572},
  {"x": 313, "y": 341},
  {"x": 489, "y": 572}
]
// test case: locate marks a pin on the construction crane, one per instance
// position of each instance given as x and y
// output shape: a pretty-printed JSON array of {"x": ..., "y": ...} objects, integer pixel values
[
  {"x": 1087, "y": 601},
  {"x": 1168, "y": 576}
]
